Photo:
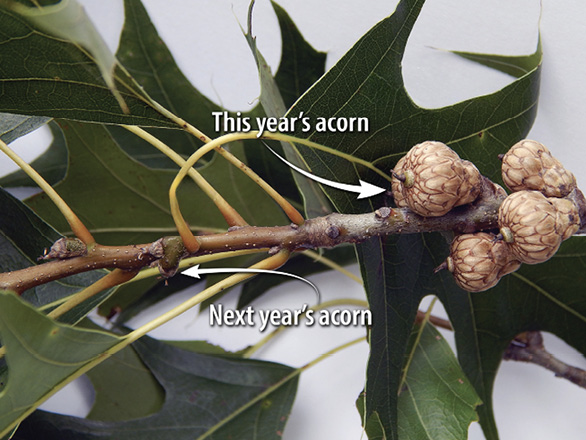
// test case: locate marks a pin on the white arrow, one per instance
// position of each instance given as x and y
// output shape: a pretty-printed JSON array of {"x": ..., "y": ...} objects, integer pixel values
[
  {"x": 196, "y": 272},
  {"x": 364, "y": 190}
]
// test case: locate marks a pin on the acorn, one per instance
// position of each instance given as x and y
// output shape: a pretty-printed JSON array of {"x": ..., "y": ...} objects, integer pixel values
[
  {"x": 431, "y": 179},
  {"x": 534, "y": 226},
  {"x": 478, "y": 261},
  {"x": 567, "y": 217},
  {"x": 529, "y": 165}
]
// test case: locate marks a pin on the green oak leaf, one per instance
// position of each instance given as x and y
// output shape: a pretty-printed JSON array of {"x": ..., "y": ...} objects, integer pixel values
[
  {"x": 398, "y": 271},
  {"x": 43, "y": 74},
  {"x": 301, "y": 65},
  {"x": 36, "y": 345},
  {"x": 144, "y": 54},
  {"x": 125, "y": 388},
  {"x": 434, "y": 386},
  {"x": 205, "y": 397}
]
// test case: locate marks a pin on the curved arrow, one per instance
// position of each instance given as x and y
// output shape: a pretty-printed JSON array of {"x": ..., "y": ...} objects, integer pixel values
[
  {"x": 196, "y": 272},
  {"x": 364, "y": 190}
]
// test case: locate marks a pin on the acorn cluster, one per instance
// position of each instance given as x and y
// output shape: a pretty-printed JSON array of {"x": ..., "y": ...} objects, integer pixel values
[{"x": 533, "y": 220}]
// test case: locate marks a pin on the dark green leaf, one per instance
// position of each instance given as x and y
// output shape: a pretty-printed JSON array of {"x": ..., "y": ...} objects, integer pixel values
[
  {"x": 205, "y": 398},
  {"x": 37, "y": 345},
  {"x": 149, "y": 61},
  {"x": 43, "y": 74},
  {"x": 398, "y": 272},
  {"x": 516, "y": 66},
  {"x": 301, "y": 65},
  {"x": 125, "y": 389}
]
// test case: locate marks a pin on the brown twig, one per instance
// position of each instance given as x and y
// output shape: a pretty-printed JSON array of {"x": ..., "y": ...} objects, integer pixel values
[
  {"x": 328, "y": 231},
  {"x": 320, "y": 232},
  {"x": 528, "y": 347}
]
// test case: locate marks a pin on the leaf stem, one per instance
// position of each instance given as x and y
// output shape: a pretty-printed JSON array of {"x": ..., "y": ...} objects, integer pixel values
[
  {"x": 318, "y": 258},
  {"x": 270, "y": 263},
  {"x": 415, "y": 344},
  {"x": 75, "y": 223},
  {"x": 184, "y": 230},
  {"x": 233, "y": 218},
  {"x": 112, "y": 279},
  {"x": 353, "y": 159},
  {"x": 291, "y": 212},
  {"x": 326, "y": 304}
]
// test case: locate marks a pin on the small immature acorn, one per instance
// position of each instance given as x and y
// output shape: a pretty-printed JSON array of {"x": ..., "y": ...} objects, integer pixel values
[
  {"x": 534, "y": 226},
  {"x": 478, "y": 261},
  {"x": 529, "y": 165},
  {"x": 431, "y": 179}
]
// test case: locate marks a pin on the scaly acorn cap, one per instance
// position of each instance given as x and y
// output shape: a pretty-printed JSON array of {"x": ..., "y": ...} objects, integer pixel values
[
  {"x": 431, "y": 179},
  {"x": 478, "y": 261},
  {"x": 567, "y": 218},
  {"x": 529, "y": 165},
  {"x": 529, "y": 224}
]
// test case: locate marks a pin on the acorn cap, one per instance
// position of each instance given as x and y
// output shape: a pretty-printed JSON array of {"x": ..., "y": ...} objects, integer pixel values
[
  {"x": 478, "y": 261},
  {"x": 529, "y": 165},
  {"x": 528, "y": 222},
  {"x": 432, "y": 179},
  {"x": 567, "y": 217}
]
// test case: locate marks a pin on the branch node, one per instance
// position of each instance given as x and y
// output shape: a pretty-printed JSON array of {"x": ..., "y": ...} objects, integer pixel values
[
  {"x": 333, "y": 232},
  {"x": 65, "y": 248},
  {"x": 383, "y": 213}
]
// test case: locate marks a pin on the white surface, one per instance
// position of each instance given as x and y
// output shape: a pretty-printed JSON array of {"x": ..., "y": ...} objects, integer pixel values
[{"x": 206, "y": 40}]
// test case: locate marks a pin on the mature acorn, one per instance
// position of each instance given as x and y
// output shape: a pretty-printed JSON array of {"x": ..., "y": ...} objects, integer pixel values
[
  {"x": 529, "y": 165},
  {"x": 534, "y": 226},
  {"x": 478, "y": 261},
  {"x": 432, "y": 179}
]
